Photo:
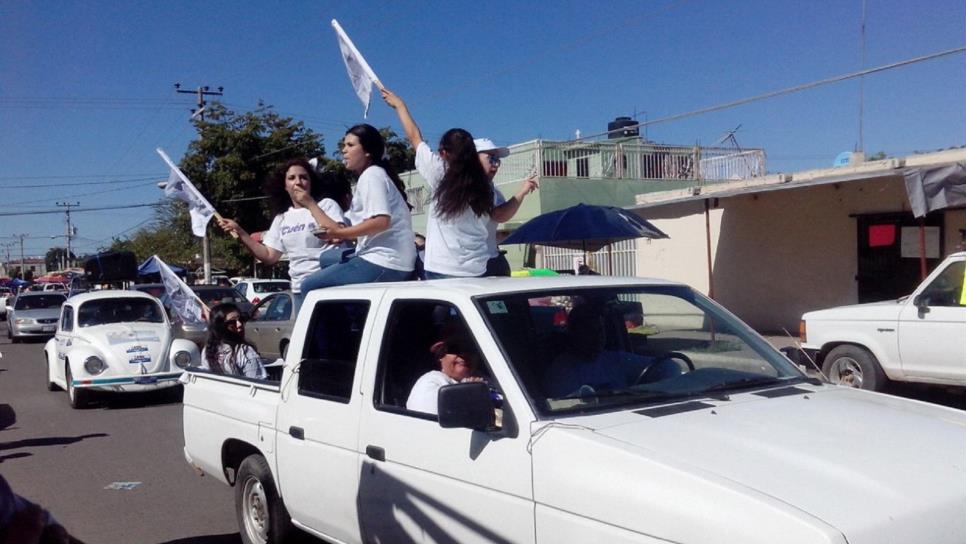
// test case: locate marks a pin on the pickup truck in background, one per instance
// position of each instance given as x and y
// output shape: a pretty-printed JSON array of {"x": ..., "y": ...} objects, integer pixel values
[
  {"x": 917, "y": 338},
  {"x": 606, "y": 410}
]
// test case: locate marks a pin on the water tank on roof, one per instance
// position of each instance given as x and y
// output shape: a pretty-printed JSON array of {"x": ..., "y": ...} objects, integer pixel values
[{"x": 623, "y": 127}]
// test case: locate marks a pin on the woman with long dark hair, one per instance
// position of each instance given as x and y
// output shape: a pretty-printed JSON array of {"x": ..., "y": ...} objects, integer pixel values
[
  {"x": 226, "y": 350},
  {"x": 299, "y": 199},
  {"x": 461, "y": 199},
  {"x": 378, "y": 218}
]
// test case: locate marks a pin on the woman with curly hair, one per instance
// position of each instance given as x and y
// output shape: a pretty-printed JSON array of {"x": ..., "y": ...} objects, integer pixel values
[
  {"x": 461, "y": 203},
  {"x": 299, "y": 199},
  {"x": 226, "y": 350}
]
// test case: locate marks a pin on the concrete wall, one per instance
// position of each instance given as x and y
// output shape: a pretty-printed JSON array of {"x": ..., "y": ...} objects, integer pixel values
[{"x": 776, "y": 254}]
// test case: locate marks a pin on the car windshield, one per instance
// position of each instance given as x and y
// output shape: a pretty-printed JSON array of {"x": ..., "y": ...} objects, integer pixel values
[
  {"x": 119, "y": 310},
  {"x": 39, "y": 302},
  {"x": 270, "y": 286},
  {"x": 596, "y": 349}
]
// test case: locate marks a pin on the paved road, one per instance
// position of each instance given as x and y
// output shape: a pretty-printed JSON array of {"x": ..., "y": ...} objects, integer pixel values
[{"x": 65, "y": 459}]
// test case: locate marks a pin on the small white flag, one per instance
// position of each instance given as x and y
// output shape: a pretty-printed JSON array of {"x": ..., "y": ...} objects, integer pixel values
[
  {"x": 360, "y": 74},
  {"x": 179, "y": 187},
  {"x": 184, "y": 302}
]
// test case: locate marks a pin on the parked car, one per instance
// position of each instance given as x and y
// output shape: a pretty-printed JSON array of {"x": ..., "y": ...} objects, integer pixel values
[
  {"x": 5, "y": 293},
  {"x": 917, "y": 338},
  {"x": 211, "y": 295},
  {"x": 255, "y": 289},
  {"x": 690, "y": 428},
  {"x": 34, "y": 315},
  {"x": 270, "y": 327},
  {"x": 114, "y": 340}
]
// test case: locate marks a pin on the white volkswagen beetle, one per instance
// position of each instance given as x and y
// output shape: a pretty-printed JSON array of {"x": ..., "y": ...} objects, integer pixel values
[{"x": 114, "y": 341}]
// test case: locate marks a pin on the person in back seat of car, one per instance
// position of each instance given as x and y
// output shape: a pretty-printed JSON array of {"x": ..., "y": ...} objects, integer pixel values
[
  {"x": 227, "y": 351},
  {"x": 458, "y": 362}
]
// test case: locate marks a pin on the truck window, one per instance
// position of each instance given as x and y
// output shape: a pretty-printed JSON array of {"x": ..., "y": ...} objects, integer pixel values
[
  {"x": 331, "y": 350},
  {"x": 411, "y": 348},
  {"x": 947, "y": 288}
]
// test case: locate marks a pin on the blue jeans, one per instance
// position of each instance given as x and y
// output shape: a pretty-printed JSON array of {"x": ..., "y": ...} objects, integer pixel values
[{"x": 355, "y": 270}]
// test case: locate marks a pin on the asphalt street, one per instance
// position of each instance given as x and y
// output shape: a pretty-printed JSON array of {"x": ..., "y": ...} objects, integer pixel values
[{"x": 113, "y": 473}]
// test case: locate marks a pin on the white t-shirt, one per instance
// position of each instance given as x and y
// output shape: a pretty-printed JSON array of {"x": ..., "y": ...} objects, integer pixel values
[
  {"x": 457, "y": 246},
  {"x": 492, "y": 249},
  {"x": 291, "y": 233},
  {"x": 425, "y": 393},
  {"x": 376, "y": 195}
]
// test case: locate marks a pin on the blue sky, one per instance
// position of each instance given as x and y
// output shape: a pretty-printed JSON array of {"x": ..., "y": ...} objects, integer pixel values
[{"x": 100, "y": 75}]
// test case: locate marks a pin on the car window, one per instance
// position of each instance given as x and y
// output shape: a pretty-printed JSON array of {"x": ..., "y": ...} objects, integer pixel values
[
  {"x": 270, "y": 286},
  {"x": 119, "y": 310},
  {"x": 39, "y": 302},
  {"x": 598, "y": 349},
  {"x": 331, "y": 350},
  {"x": 281, "y": 308},
  {"x": 67, "y": 319},
  {"x": 947, "y": 288},
  {"x": 242, "y": 288}
]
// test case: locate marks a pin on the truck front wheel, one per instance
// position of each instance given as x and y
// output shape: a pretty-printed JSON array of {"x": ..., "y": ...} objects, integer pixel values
[
  {"x": 262, "y": 517},
  {"x": 854, "y": 366}
]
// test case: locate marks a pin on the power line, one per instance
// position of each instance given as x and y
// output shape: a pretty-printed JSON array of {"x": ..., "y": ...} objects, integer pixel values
[
  {"x": 781, "y": 92},
  {"x": 79, "y": 210},
  {"x": 59, "y": 184},
  {"x": 8, "y": 204},
  {"x": 81, "y": 176}
]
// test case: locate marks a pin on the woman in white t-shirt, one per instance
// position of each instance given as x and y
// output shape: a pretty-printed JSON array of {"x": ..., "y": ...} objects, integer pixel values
[
  {"x": 378, "y": 218},
  {"x": 459, "y": 211},
  {"x": 298, "y": 198}
]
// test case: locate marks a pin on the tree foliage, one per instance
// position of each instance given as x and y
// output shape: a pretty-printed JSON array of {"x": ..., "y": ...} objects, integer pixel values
[{"x": 54, "y": 259}]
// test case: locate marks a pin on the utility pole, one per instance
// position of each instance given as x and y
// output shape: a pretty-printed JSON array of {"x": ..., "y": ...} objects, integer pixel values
[
  {"x": 202, "y": 92},
  {"x": 70, "y": 232},
  {"x": 23, "y": 271}
]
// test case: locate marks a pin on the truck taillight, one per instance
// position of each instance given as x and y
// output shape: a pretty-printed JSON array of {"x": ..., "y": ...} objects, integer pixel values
[{"x": 801, "y": 332}]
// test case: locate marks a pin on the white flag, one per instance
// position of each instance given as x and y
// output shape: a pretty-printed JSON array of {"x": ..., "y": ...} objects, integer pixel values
[
  {"x": 360, "y": 74},
  {"x": 184, "y": 302},
  {"x": 179, "y": 187}
]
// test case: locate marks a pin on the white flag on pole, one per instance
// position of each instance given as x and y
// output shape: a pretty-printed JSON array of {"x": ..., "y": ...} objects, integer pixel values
[
  {"x": 360, "y": 74},
  {"x": 179, "y": 187},
  {"x": 184, "y": 302}
]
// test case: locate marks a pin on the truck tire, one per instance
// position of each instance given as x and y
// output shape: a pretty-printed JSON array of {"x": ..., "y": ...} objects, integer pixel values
[
  {"x": 854, "y": 366},
  {"x": 262, "y": 517}
]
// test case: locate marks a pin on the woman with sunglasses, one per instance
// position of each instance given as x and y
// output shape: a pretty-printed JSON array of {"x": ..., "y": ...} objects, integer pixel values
[
  {"x": 227, "y": 351},
  {"x": 461, "y": 199}
]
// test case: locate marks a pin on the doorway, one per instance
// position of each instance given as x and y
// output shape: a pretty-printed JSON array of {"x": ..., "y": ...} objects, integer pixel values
[{"x": 888, "y": 253}]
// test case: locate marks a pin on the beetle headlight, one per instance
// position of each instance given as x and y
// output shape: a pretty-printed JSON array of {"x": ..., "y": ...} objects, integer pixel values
[
  {"x": 182, "y": 359},
  {"x": 94, "y": 365}
]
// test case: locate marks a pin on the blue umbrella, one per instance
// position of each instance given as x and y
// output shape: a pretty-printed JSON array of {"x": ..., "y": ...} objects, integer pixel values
[
  {"x": 584, "y": 227},
  {"x": 150, "y": 266}
]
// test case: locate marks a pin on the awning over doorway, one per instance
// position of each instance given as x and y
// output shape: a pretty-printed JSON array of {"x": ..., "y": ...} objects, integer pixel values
[{"x": 935, "y": 188}]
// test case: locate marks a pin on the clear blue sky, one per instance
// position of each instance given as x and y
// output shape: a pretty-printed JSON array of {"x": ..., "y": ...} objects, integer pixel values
[{"x": 100, "y": 75}]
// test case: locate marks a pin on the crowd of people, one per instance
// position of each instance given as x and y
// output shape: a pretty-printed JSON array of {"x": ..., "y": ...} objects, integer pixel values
[{"x": 333, "y": 235}]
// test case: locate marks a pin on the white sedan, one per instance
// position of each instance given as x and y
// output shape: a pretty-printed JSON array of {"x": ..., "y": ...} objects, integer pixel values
[{"x": 117, "y": 341}]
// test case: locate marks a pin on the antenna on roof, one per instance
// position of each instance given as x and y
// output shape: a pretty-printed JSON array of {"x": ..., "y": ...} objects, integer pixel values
[{"x": 729, "y": 136}]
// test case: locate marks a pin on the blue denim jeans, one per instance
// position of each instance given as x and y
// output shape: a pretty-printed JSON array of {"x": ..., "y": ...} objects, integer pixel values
[{"x": 355, "y": 270}]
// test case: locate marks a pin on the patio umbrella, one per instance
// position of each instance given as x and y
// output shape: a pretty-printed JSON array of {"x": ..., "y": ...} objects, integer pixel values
[{"x": 584, "y": 227}]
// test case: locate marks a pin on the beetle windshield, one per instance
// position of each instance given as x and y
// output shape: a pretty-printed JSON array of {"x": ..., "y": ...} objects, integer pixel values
[
  {"x": 119, "y": 310},
  {"x": 593, "y": 349}
]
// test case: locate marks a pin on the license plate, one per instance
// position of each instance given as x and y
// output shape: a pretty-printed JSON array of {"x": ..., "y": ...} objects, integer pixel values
[
  {"x": 50, "y": 328},
  {"x": 146, "y": 379}
]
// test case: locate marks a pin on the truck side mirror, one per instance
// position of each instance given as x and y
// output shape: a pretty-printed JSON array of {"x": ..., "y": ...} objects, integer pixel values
[{"x": 467, "y": 406}]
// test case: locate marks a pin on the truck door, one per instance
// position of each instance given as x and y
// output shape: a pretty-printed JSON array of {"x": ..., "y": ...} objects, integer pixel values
[
  {"x": 931, "y": 334},
  {"x": 419, "y": 481},
  {"x": 318, "y": 420}
]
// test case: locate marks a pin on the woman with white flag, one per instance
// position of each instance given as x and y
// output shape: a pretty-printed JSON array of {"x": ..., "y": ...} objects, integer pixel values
[
  {"x": 301, "y": 203},
  {"x": 457, "y": 222},
  {"x": 379, "y": 216}
]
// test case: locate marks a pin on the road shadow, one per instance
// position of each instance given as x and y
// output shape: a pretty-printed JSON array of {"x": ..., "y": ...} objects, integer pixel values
[
  {"x": 7, "y": 416},
  {"x": 231, "y": 538},
  {"x": 954, "y": 397},
  {"x": 129, "y": 401},
  {"x": 48, "y": 441},
  {"x": 17, "y": 455}
]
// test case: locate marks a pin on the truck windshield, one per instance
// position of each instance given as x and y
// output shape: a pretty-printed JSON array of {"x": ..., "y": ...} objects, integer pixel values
[{"x": 596, "y": 349}]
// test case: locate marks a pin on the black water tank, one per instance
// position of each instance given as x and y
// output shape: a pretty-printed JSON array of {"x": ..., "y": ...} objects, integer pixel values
[{"x": 618, "y": 128}]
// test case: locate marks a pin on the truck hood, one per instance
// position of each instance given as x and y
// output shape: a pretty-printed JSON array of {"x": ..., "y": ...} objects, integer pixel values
[
  {"x": 875, "y": 311},
  {"x": 872, "y": 467}
]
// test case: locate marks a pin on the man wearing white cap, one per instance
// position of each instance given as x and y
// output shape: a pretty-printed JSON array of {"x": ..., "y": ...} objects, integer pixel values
[{"x": 503, "y": 209}]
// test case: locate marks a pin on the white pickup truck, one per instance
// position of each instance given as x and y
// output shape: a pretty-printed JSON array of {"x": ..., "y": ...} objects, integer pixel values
[
  {"x": 604, "y": 410},
  {"x": 917, "y": 338}
]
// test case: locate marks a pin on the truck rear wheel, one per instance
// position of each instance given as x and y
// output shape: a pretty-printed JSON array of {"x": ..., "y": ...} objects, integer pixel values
[
  {"x": 854, "y": 366},
  {"x": 262, "y": 517}
]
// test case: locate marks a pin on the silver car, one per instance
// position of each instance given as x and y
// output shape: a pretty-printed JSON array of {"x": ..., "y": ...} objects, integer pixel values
[
  {"x": 34, "y": 315},
  {"x": 270, "y": 327}
]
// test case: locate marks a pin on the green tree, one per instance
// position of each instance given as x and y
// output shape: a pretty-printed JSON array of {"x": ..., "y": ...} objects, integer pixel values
[
  {"x": 877, "y": 156},
  {"x": 54, "y": 259}
]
